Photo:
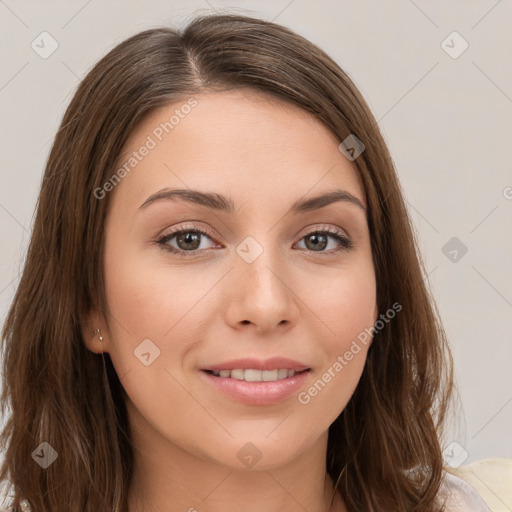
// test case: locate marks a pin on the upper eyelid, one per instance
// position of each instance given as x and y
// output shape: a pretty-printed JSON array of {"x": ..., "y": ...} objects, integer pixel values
[{"x": 202, "y": 230}]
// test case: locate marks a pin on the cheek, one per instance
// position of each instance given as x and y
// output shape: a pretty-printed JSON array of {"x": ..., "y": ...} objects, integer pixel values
[
  {"x": 152, "y": 299},
  {"x": 345, "y": 306},
  {"x": 343, "y": 301},
  {"x": 148, "y": 300},
  {"x": 146, "y": 295}
]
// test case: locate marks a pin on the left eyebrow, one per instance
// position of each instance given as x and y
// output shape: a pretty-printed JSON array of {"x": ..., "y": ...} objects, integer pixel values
[
  {"x": 314, "y": 203},
  {"x": 225, "y": 204}
]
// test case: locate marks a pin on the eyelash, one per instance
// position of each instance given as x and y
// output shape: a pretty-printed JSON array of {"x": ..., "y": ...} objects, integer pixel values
[{"x": 345, "y": 243}]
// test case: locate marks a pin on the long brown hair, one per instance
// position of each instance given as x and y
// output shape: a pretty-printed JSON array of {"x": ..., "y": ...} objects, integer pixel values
[{"x": 383, "y": 450}]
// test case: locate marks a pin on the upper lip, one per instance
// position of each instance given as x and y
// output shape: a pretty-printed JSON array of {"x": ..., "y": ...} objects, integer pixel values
[{"x": 274, "y": 363}]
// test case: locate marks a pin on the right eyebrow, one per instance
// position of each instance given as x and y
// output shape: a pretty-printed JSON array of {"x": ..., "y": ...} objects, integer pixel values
[{"x": 208, "y": 199}]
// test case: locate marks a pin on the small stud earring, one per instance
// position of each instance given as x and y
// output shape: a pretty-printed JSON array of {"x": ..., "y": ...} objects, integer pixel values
[{"x": 96, "y": 332}]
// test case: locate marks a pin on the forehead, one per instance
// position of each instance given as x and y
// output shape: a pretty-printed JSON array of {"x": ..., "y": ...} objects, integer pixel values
[{"x": 239, "y": 140}]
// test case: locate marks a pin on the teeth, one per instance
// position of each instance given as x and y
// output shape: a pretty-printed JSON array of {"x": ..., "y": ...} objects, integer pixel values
[
  {"x": 238, "y": 374},
  {"x": 269, "y": 376},
  {"x": 282, "y": 374},
  {"x": 251, "y": 375}
]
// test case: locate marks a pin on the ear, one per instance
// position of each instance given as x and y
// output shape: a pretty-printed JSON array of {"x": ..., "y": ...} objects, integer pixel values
[{"x": 93, "y": 327}]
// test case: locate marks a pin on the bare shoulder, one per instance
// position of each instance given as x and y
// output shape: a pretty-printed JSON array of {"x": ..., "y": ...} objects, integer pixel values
[{"x": 459, "y": 496}]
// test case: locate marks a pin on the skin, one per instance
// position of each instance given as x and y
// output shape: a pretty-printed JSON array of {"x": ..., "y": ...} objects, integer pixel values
[{"x": 292, "y": 301}]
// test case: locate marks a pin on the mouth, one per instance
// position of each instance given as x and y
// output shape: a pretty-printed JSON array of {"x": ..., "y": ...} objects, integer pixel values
[
  {"x": 247, "y": 385},
  {"x": 254, "y": 375}
]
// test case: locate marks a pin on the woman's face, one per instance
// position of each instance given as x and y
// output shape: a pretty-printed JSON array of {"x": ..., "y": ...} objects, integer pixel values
[{"x": 265, "y": 281}]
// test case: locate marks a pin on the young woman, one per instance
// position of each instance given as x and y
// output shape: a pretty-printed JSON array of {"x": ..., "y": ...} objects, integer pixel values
[{"x": 222, "y": 305}]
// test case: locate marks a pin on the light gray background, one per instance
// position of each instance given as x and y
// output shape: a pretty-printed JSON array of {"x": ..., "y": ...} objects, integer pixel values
[{"x": 447, "y": 121}]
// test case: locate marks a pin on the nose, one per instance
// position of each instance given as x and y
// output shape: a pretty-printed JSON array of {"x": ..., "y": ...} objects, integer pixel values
[{"x": 261, "y": 296}]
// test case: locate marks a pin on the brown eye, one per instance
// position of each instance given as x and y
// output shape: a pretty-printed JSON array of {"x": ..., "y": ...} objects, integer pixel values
[
  {"x": 187, "y": 241},
  {"x": 318, "y": 241}
]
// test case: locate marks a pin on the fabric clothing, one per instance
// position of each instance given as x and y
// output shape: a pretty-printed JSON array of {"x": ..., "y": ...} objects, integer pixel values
[{"x": 461, "y": 496}]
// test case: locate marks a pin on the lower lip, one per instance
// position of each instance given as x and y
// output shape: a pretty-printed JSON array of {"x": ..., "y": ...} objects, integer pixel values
[{"x": 257, "y": 393}]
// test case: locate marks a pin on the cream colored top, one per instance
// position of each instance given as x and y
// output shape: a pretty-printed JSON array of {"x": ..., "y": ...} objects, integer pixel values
[{"x": 459, "y": 495}]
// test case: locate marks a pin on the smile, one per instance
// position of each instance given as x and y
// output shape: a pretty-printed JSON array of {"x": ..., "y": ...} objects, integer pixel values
[{"x": 251, "y": 375}]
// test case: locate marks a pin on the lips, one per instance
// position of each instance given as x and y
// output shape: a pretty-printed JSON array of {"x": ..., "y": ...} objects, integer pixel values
[
  {"x": 256, "y": 392},
  {"x": 274, "y": 363},
  {"x": 257, "y": 381}
]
